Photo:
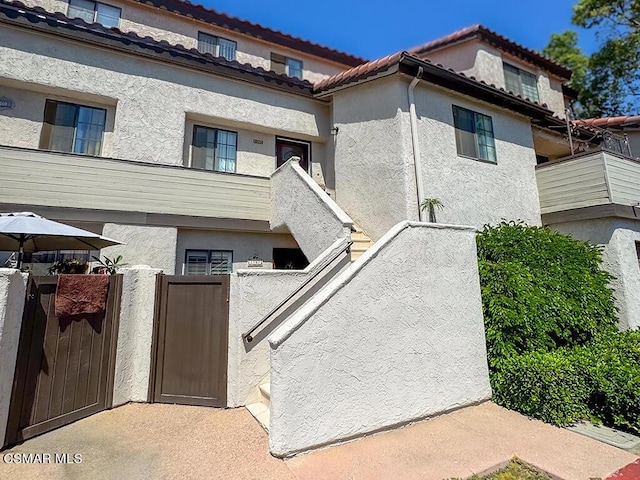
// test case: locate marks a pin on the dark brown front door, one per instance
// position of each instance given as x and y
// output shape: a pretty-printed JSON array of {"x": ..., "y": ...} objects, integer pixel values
[
  {"x": 285, "y": 149},
  {"x": 191, "y": 329},
  {"x": 64, "y": 368}
]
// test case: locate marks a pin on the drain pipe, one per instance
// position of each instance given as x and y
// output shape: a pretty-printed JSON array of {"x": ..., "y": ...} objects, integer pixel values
[{"x": 413, "y": 118}]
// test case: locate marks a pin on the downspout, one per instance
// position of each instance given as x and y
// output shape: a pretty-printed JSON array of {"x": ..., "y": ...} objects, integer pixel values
[{"x": 413, "y": 118}]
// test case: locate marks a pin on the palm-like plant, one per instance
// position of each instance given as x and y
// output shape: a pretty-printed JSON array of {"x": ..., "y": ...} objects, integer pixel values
[
  {"x": 111, "y": 265},
  {"x": 431, "y": 204}
]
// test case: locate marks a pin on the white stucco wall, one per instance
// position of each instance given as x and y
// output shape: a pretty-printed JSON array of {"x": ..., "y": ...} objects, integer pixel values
[
  {"x": 396, "y": 337},
  {"x": 135, "y": 334},
  {"x": 143, "y": 245},
  {"x": 618, "y": 238},
  {"x": 475, "y": 192},
  {"x": 375, "y": 179},
  {"x": 252, "y": 295},
  {"x": 474, "y": 58},
  {"x": 179, "y": 30},
  {"x": 300, "y": 206},
  {"x": 12, "y": 297},
  {"x": 153, "y": 99},
  {"x": 244, "y": 245}
]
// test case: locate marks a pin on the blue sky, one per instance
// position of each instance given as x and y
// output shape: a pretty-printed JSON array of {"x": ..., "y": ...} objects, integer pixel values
[{"x": 372, "y": 29}]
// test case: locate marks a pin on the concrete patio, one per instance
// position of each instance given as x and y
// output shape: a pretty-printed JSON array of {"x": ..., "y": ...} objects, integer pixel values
[{"x": 141, "y": 441}]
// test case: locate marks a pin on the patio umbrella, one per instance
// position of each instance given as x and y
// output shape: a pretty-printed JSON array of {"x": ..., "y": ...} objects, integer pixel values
[{"x": 28, "y": 232}]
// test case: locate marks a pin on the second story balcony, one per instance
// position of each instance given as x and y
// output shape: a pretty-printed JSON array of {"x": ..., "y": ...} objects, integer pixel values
[
  {"x": 589, "y": 185},
  {"x": 30, "y": 179}
]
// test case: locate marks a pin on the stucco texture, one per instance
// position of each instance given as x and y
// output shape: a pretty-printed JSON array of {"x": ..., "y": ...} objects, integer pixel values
[
  {"x": 153, "y": 99},
  {"x": 252, "y": 295},
  {"x": 396, "y": 337},
  {"x": 300, "y": 206},
  {"x": 135, "y": 333},
  {"x": 618, "y": 238},
  {"x": 143, "y": 245},
  {"x": 374, "y": 165},
  {"x": 12, "y": 298}
]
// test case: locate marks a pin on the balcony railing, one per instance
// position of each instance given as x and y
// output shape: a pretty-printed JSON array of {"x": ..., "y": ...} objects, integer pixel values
[
  {"x": 40, "y": 178},
  {"x": 588, "y": 179}
]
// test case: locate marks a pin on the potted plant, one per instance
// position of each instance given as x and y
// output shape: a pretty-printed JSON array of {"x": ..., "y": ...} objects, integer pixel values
[{"x": 69, "y": 266}]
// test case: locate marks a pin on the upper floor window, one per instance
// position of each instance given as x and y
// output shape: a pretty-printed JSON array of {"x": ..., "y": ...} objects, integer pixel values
[
  {"x": 214, "y": 149},
  {"x": 520, "y": 82},
  {"x": 72, "y": 128},
  {"x": 208, "y": 262},
  {"x": 94, "y": 12},
  {"x": 474, "y": 134},
  {"x": 286, "y": 65},
  {"x": 217, "y": 46}
]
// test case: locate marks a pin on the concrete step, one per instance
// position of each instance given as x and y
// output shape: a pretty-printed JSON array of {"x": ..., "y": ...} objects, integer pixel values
[
  {"x": 265, "y": 389},
  {"x": 361, "y": 242},
  {"x": 261, "y": 413}
]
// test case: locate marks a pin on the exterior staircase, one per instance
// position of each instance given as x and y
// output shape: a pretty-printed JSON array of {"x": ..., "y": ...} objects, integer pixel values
[
  {"x": 361, "y": 242},
  {"x": 261, "y": 410}
]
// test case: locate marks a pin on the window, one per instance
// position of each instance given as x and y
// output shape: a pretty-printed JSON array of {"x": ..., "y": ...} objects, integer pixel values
[
  {"x": 638, "y": 252},
  {"x": 474, "y": 134},
  {"x": 214, "y": 149},
  {"x": 285, "y": 65},
  {"x": 72, "y": 128},
  {"x": 521, "y": 82},
  {"x": 208, "y": 262},
  {"x": 217, "y": 46},
  {"x": 92, "y": 12}
]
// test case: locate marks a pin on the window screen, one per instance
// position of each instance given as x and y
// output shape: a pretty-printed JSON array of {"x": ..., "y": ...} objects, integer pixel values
[{"x": 214, "y": 149}]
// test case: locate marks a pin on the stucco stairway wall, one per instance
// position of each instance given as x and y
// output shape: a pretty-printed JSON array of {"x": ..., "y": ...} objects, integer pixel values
[
  {"x": 253, "y": 294},
  {"x": 299, "y": 205},
  {"x": 12, "y": 298},
  {"x": 396, "y": 337},
  {"x": 135, "y": 333}
]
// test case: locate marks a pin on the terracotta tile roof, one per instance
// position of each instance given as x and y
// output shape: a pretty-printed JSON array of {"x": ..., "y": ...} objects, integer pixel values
[
  {"x": 222, "y": 20},
  {"x": 15, "y": 12},
  {"x": 437, "y": 74},
  {"x": 499, "y": 41},
  {"x": 612, "y": 122}
]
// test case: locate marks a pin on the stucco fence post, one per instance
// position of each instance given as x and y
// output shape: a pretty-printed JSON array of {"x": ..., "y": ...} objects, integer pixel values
[
  {"x": 12, "y": 299},
  {"x": 396, "y": 337},
  {"x": 135, "y": 334}
]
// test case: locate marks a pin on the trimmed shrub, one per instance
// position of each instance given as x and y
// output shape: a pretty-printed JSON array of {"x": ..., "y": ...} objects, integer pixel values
[
  {"x": 546, "y": 386},
  {"x": 541, "y": 290}
]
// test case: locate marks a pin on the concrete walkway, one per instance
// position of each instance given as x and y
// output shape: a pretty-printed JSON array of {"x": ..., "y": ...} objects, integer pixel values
[{"x": 149, "y": 442}]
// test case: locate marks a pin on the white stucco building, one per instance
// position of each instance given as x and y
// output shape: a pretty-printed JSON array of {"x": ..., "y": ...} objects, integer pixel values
[{"x": 170, "y": 127}]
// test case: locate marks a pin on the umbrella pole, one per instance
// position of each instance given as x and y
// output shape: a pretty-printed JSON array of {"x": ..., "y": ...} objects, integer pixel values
[{"x": 21, "y": 251}]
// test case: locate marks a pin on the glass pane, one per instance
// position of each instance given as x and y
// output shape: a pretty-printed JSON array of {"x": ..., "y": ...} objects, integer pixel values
[
  {"x": 221, "y": 262},
  {"x": 203, "y": 148},
  {"x": 529, "y": 86},
  {"x": 89, "y": 130},
  {"x": 463, "y": 119},
  {"x": 486, "y": 142},
  {"x": 226, "y": 151},
  {"x": 294, "y": 68},
  {"x": 63, "y": 128},
  {"x": 107, "y": 15},
  {"x": 466, "y": 143},
  {"x": 196, "y": 262},
  {"x": 512, "y": 79},
  {"x": 81, "y": 9},
  {"x": 227, "y": 49},
  {"x": 208, "y": 44}
]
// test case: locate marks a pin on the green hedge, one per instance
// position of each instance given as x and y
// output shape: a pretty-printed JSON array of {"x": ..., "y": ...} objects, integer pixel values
[{"x": 551, "y": 325}]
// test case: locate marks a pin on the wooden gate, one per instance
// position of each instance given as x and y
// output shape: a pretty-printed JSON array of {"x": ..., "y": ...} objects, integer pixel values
[
  {"x": 64, "y": 368},
  {"x": 190, "y": 340}
]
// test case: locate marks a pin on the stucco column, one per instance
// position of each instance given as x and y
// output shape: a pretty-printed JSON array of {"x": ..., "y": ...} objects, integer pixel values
[
  {"x": 133, "y": 357},
  {"x": 12, "y": 297}
]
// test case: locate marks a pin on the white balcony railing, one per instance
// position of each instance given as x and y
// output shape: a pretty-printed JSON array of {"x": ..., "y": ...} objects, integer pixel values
[
  {"x": 40, "y": 178},
  {"x": 586, "y": 180}
]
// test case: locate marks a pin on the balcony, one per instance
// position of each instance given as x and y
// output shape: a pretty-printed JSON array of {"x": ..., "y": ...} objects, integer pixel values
[
  {"x": 33, "y": 178},
  {"x": 607, "y": 180}
]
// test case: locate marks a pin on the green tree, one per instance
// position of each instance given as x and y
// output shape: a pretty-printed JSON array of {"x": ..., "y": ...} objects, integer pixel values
[{"x": 608, "y": 82}]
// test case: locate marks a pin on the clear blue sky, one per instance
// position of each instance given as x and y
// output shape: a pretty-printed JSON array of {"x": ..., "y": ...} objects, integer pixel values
[{"x": 372, "y": 29}]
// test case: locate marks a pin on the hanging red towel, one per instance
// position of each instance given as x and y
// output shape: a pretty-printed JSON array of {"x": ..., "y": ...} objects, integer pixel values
[{"x": 81, "y": 294}]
